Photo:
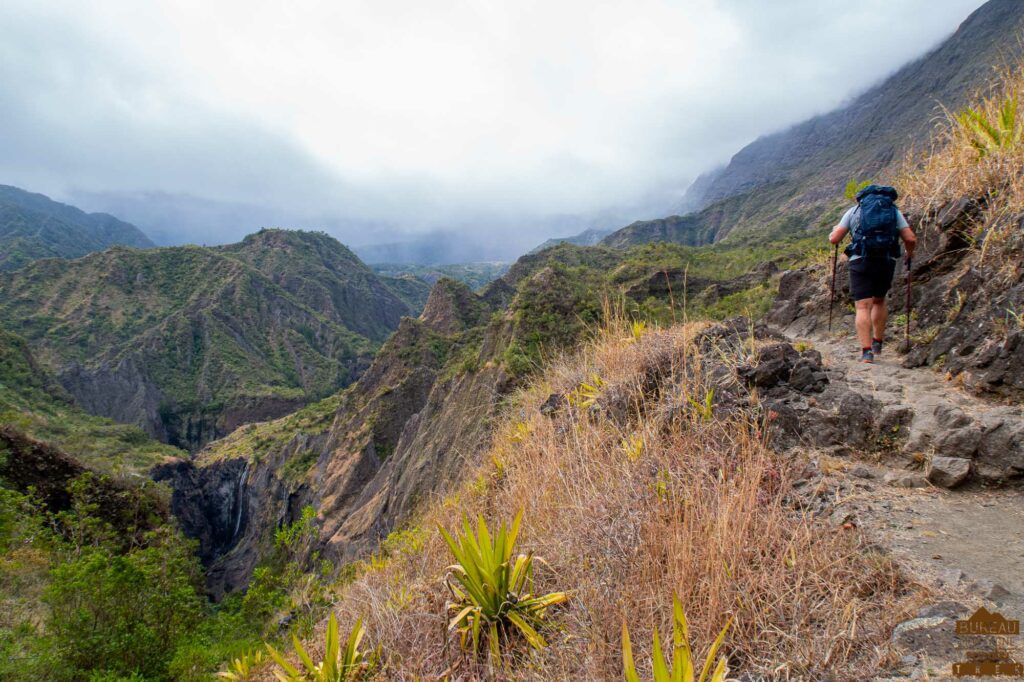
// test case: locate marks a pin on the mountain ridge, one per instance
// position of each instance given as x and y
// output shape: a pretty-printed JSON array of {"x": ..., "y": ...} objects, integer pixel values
[
  {"x": 33, "y": 226},
  {"x": 797, "y": 174},
  {"x": 189, "y": 342}
]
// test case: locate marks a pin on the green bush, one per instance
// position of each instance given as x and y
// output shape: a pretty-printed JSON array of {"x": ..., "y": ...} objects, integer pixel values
[{"x": 124, "y": 613}]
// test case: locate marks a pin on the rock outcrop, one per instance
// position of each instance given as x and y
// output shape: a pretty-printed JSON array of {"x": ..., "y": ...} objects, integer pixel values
[{"x": 844, "y": 407}]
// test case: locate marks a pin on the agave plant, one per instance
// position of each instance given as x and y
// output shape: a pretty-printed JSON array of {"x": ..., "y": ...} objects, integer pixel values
[
  {"x": 585, "y": 395},
  {"x": 705, "y": 408},
  {"x": 241, "y": 668},
  {"x": 492, "y": 591},
  {"x": 338, "y": 665},
  {"x": 637, "y": 329},
  {"x": 682, "y": 669},
  {"x": 988, "y": 136},
  {"x": 633, "y": 446}
]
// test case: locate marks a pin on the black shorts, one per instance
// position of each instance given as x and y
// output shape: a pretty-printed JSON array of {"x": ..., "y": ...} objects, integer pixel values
[{"x": 871, "y": 277}]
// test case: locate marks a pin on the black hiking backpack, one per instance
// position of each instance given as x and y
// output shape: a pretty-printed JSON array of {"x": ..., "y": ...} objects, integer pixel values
[{"x": 876, "y": 228}]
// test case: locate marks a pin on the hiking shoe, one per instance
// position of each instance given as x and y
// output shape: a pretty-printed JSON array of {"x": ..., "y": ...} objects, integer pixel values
[
  {"x": 867, "y": 356},
  {"x": 876, "y": 347}
]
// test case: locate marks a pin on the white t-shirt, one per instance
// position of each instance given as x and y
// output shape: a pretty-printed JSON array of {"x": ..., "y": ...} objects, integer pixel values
[{"x": 851, "y": 219}]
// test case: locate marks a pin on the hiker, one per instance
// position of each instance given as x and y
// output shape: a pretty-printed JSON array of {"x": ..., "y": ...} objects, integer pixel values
[{"x": 877, "y": 227}]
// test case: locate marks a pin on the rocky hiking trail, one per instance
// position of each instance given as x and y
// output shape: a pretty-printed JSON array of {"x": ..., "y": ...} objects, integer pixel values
[{"x": 936, "y": 491}]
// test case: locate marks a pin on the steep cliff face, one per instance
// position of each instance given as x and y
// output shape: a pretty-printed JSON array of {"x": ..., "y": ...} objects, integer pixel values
[
  {"x": 191, "y": 342},
  {"x": 797, "y": 173},
  {"x": 33, "y": 401},
  {"x": 364, "y": 457},
  {"x": 232, "y": 507}
]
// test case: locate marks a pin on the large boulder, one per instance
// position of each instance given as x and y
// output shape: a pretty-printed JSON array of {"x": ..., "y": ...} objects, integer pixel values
[{"x": 948, "y": 472}]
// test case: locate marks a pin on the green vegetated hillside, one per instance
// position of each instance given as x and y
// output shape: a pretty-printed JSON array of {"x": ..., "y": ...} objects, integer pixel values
[
  {"x": 188, "y": 342},
  {"x": 788, "y": 182},
  {"x": 326, "y": 276},
  {"x": 587, "y": 237},
  {"x": 32, "y": 227},
  {"x": 474, "y": 275},
  {"x": 366, "y": 456},
  {"x": 33, "y": 402},
  {"x": 412, "y": 290}
]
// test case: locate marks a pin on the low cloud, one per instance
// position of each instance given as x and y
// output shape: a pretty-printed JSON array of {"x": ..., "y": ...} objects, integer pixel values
[{"x": 386, "y": 121}]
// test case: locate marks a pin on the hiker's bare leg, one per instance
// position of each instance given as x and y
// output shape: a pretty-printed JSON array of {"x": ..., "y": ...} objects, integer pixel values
[
  {"x": 863, "y": 322},
  {"x": 879, "y": 316}
]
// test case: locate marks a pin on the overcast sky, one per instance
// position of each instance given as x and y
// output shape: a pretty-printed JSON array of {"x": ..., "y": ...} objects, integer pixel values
[{"x": 202, "y": 121}]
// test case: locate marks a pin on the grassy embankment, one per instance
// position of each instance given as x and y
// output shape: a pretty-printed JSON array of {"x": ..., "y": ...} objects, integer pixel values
[{"x": 634, "y": 490}]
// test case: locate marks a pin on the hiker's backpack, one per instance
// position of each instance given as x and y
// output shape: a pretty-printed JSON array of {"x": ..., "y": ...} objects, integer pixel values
[{"x": 877, "y": 232}]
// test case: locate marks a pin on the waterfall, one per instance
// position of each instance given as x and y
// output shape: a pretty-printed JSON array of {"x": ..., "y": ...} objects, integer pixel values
[{"x": 238, "y": 500}]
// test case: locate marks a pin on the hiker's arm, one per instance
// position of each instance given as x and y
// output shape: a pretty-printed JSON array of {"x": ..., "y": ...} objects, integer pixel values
[
  {"x": 838, "y": 232},
  {"x": 909, "y": 240}
]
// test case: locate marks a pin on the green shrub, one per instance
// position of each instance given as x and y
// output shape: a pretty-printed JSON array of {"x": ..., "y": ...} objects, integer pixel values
[
  {"x": 124, "y": 613},
  {"x": 1003, "y": 131},
  {"x": 852, "y": 187}
]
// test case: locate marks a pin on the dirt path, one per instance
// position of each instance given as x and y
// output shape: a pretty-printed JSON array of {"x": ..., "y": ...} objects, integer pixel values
[{"x": 966, "y": 542}]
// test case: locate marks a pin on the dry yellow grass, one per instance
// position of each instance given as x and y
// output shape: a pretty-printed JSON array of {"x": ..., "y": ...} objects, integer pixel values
[
  {"x": 954, "y": 167},
  {"x": 639, "y": 497}
]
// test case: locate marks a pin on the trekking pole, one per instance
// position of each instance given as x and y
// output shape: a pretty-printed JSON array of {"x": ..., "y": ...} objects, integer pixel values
[
  {"x": 832, "y": 291},
  {"x": 910, "y": 281}
]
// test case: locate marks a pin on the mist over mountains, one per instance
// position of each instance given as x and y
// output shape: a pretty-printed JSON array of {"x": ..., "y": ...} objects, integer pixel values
[
  {"x": 475, "y": 135},
  {"x": 789, "y": 179}
]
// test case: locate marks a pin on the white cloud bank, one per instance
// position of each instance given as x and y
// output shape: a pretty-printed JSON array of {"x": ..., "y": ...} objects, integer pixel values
[{"x": 204, "y": 120}]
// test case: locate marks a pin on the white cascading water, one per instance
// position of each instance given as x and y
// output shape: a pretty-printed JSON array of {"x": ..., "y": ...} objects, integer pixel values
[{"x": 238, "y": 499}]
